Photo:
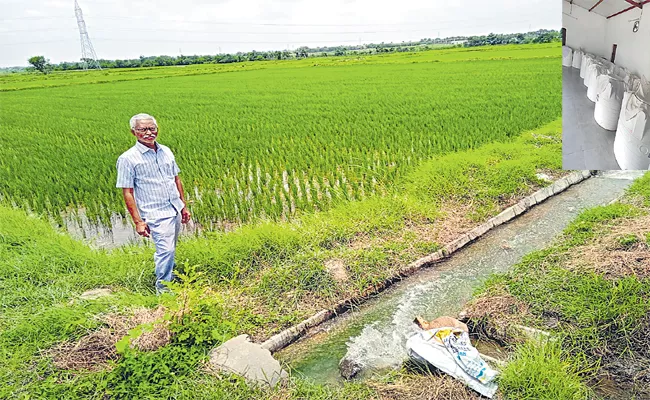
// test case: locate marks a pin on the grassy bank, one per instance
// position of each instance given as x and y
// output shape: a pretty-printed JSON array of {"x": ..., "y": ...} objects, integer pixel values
[{"x": 257, "y": 280}]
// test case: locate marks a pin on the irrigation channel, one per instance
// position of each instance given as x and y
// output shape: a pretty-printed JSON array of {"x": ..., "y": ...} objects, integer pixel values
[{"x": 374, "y": 334}]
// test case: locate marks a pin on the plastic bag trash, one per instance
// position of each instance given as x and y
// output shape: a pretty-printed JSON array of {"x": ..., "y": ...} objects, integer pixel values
[{"x": 450, "y": 350}]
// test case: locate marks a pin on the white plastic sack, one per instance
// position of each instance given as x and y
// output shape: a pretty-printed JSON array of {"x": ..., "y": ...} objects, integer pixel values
[
  {"x": 609, "y": 98},
  {"x": 595, "y": 70},
  {"x": 567, "y": 56},
  {"x": 590, "y": 61},
  {"x": 632, "y": 141},
  {"x": 586, "y": 59},
  {"x": 577, "y": 59},
  {"x": 450, "y": 350}
]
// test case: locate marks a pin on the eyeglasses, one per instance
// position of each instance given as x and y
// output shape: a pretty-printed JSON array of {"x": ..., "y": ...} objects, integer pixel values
[{"x": 153, "y": 129}]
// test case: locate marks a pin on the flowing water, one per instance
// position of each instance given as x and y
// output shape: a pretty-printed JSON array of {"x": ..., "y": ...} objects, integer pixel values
[{"x": 374, "y": 335}]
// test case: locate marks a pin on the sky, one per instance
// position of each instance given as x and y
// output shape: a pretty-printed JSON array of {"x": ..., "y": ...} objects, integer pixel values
[{"x": 123, "y": 29}]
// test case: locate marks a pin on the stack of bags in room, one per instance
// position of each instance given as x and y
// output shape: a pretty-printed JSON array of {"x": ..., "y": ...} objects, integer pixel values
[
  {"x": 622, "y": 105},
  {"x": 632, "y": 142}
]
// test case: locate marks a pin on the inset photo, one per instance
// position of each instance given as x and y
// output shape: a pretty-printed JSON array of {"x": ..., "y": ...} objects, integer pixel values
[{"x": 605, "y": 88}]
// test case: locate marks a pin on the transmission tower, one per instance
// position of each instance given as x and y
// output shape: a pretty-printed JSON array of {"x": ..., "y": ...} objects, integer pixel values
[{"x": 88, "y": 56}]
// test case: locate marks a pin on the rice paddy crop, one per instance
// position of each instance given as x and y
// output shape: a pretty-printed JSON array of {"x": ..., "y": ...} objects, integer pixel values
[{"x": 272, "y": 142}]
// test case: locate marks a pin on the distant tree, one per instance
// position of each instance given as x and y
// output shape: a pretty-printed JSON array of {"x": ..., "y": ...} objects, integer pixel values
[
  {"x": 545, "y": 37},
  {"x": 40, "y": 64},
  {"x": 302, "y": 52}
]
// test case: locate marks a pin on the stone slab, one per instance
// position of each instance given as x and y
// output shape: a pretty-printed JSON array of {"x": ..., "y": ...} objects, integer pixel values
[
  {"x": 242, "y": 357},
  {"x": 560, "y": 185}
]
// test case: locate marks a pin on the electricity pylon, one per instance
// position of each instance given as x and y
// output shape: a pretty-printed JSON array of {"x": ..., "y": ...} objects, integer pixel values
[{"x": 88, "y": 56}]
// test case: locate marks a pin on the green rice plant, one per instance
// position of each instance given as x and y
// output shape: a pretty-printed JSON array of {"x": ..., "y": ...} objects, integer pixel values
[{"x": 275, "y": 140}]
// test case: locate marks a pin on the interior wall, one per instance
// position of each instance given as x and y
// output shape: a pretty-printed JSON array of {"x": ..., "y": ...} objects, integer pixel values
[
  {"x": 633, "y": 48},
  {"x": 585, "y": 30}
]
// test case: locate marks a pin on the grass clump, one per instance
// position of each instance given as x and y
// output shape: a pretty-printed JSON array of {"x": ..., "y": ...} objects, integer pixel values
[{"x": 540, "y": 371}]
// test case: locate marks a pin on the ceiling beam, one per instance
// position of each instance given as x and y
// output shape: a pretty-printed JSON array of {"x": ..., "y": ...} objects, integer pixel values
[
  {"x": 635, "y": 3},
  {"x": 621, "y": 12},
  {"x": 595, "y": 5}
]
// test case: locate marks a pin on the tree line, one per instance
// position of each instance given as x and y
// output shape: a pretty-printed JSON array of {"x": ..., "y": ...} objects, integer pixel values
[{"x": 40, "y": 63}]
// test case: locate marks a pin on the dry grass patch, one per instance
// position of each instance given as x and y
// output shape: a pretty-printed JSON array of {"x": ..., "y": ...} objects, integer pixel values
[
  {"x": 424, "y": 387},
  {"x": 621, "y": 251},
  {"x": 494, "y": 315},
  {"x": 94, "y": 351},
  {"x": 336, "y": 268},
  {"x": 454, "y": 222}
]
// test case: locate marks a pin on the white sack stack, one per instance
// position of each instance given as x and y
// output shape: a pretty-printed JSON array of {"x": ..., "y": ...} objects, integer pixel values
[
  {"x": 567, "y": 56},
  {"x": 577, "y": 59},
  {"x": 595, "y": 70},
  {"x": 632, "y": 142},
  {"x": 609, "y": 98}
]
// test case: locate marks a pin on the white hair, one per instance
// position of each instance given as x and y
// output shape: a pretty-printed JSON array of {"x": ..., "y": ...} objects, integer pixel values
[{"x": 141, "y": 117}]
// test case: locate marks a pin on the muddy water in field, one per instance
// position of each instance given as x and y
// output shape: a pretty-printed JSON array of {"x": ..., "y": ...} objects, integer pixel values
[
  {"x": 120, "y": 233},
  {"x": 374, "y": 335}
]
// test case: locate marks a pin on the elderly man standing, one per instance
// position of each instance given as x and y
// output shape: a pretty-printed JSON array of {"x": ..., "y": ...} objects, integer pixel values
[{"x": 153, "y": 193}]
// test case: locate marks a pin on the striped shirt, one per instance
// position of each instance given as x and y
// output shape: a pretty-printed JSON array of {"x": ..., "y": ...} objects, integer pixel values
[{"x": 151, "y": 175}]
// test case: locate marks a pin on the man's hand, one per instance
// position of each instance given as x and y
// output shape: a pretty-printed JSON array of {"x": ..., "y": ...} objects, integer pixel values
[
  {"x": 140, "y": 226},
  {"x": 142, "y": 229},
  {"x": 185, "y": 215}
]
